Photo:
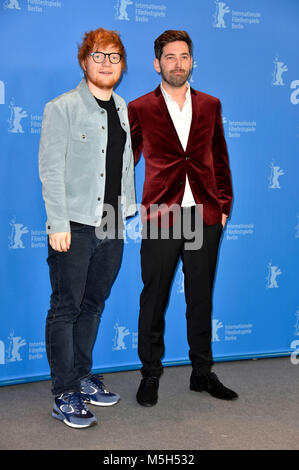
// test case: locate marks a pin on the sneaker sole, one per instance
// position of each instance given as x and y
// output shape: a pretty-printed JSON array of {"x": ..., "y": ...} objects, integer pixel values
[
  {"x": 96, "y": 403},
  {"x": 71, "y": 425}
]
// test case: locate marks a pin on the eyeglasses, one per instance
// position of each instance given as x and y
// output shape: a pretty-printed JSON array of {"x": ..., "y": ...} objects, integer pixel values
[{"x": 100, "y": 57}]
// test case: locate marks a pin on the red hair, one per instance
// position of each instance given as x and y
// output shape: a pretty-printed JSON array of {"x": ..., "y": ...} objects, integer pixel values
[{"x": 96, "y": 40}]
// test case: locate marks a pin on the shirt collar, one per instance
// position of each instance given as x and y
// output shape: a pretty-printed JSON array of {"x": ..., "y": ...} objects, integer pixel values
[{"x": 169, "y": 98}]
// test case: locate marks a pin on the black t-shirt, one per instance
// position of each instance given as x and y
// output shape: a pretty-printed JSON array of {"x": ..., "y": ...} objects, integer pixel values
[{"x": 114, "y": 155}]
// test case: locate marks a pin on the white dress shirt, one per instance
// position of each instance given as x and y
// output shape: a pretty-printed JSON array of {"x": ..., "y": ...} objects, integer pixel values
[{"x": 181, "y": 119}]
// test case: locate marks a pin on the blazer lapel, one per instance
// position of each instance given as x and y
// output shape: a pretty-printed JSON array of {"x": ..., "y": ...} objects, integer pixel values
[
  {"x": 166, "y": 116},
  {"x": 195, "y": 114}
]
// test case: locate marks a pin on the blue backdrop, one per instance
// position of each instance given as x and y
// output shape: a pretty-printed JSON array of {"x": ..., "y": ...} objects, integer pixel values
[{"x": 246, "y": 54}]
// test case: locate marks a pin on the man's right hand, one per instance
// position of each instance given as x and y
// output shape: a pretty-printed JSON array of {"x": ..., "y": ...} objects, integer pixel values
[{"x": 60, "y": 241}]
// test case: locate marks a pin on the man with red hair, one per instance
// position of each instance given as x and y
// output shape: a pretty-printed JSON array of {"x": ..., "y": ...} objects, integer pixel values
[{"x": 86, "y": 168}]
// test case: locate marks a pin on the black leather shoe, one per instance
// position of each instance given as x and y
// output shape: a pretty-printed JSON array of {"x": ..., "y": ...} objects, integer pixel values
[
  {"x": 211, "y": 384},
  {"x": 147, "y": 394}
]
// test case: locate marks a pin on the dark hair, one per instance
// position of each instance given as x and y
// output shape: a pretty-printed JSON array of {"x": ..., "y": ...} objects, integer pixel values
[{"x": 171, "y": 35}]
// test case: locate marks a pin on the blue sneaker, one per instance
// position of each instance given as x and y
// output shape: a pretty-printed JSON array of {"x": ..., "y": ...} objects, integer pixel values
[
  {"x": 93, "y": 391},
  {"x": 71, "y": 409}
]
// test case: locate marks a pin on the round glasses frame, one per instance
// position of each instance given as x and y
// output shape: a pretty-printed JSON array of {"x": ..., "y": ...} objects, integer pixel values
[{"x": 100, "y": 57}]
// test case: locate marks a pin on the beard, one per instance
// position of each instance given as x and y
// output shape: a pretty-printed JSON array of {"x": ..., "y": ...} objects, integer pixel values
[
  {"x": 104, "y": 82},
  {"x": 175, "y": 80}
]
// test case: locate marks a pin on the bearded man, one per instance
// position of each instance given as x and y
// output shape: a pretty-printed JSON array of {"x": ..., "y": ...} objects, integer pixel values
[
  {"x": 179, "y": 130},
  {"x": 86, "y": 166}
]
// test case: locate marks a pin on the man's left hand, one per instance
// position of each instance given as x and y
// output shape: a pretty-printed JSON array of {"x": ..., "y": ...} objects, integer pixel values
[{"x": 223, "y": 221}]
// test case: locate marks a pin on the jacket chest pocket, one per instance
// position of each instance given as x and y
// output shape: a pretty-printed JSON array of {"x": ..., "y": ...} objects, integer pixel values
[
  {"x": 83, "y": 142},
  {"x": 82, "y": 136}
]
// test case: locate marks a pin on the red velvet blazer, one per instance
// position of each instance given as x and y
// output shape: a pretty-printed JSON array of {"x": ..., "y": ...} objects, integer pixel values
[{"x": 205, "y": 160}]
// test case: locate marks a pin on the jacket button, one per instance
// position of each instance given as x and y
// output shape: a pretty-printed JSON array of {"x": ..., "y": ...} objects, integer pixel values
[
  {"x": 103, "y": 127},
  {"x": 99, "y": 198},
  {"x": 83, "y": 136},
  {"x": 103, "y": 151},
  {"x": 102, "y": 174},
  {"x": 49, "y": 226}
]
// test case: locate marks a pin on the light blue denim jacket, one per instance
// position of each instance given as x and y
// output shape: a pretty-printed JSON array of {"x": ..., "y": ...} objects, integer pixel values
[{"x": 72, "y": 160}]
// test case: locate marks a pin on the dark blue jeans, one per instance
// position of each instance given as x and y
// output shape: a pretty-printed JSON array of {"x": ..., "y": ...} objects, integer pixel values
[{"x": 81, "y": 280}]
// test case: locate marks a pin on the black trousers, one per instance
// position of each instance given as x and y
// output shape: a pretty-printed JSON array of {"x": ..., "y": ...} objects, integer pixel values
[{"x": 159, "y": 258}]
